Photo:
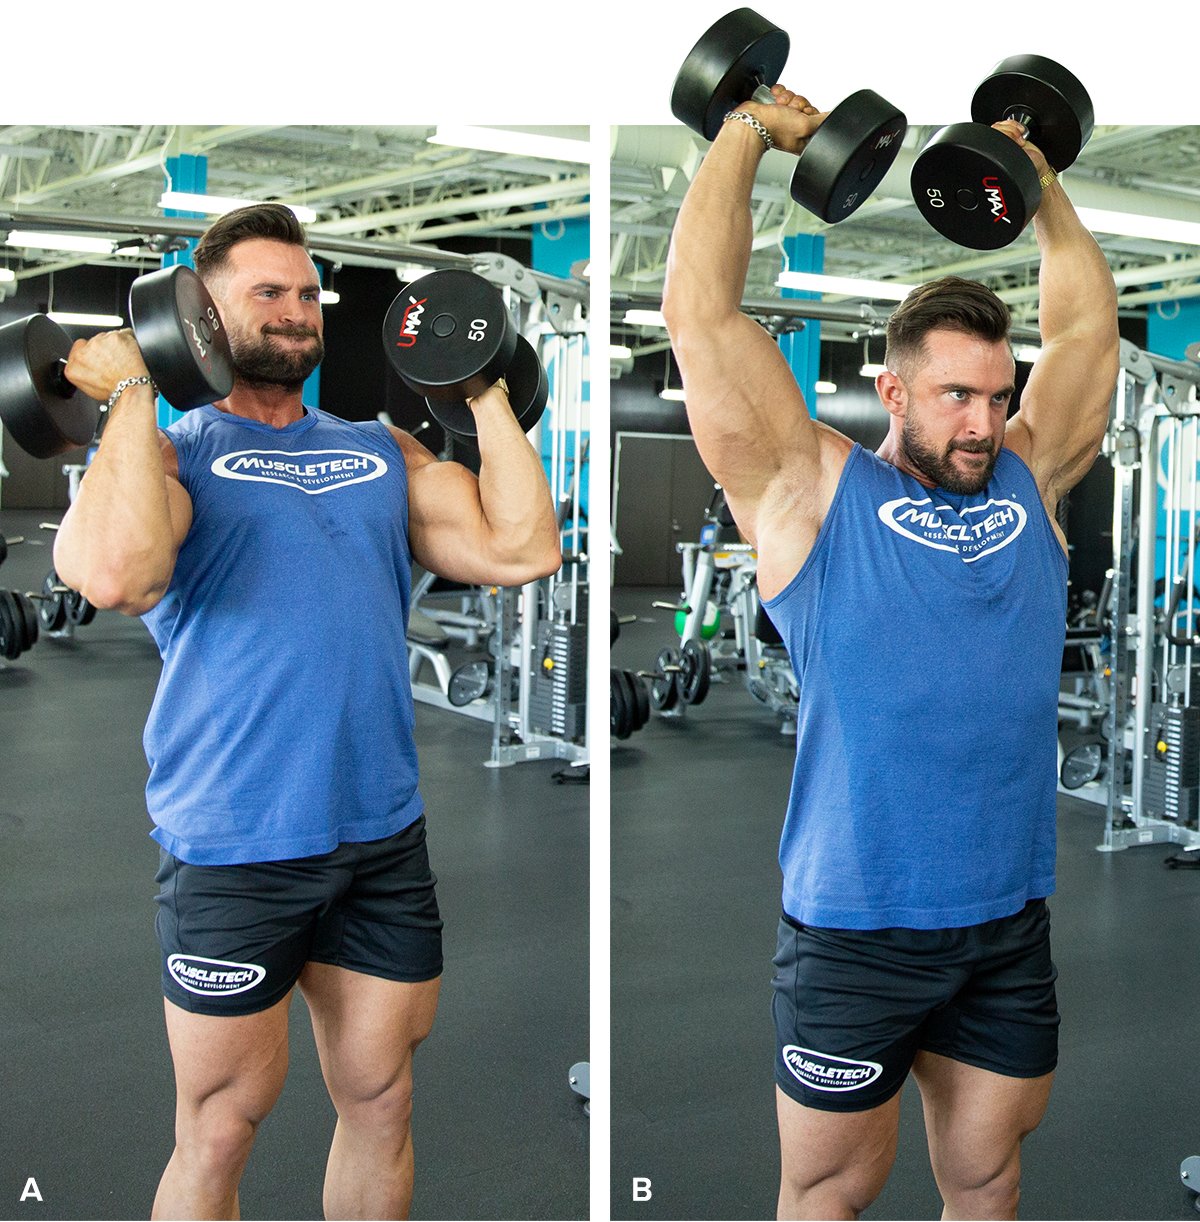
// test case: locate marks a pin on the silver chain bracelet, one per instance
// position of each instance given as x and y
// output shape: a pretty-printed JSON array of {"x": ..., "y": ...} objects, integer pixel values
[
  {"x": 124, "y": 385},
  {"x": 751, "y": 122}
]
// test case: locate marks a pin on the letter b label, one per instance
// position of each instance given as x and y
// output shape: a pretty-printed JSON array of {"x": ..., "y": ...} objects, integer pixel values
[{"x": 641, "y": 1188}]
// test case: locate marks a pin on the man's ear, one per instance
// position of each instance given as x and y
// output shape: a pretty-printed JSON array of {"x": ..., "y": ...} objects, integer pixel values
[{"x": 892, "y": 392}]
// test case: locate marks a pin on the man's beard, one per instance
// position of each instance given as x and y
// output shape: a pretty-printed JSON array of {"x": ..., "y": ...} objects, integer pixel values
[
  {"x": 940, "y": 467},
  {"x": 259, "y": 362}
]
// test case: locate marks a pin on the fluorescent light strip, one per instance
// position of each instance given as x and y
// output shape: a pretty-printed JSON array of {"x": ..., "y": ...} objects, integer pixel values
[
  {"x": 646, "y": 318},
  {"x": 817, "y": 282},
  {"x": 218, "y": 205},
  {"x": 674, "y": 393},
  {"x": 85, "y": 320},
  {"x": 826, "y": 388},
  {"x": 872, "y": 371},
  {"x": 7, "y": 276},
  {"x": 1134, "y": 225},
  {"x": 60, "y": 241},
  {"x": 519, "y": 144},
  {"x": 329, "y": 297},
  {"x": 618, "y": 352}
]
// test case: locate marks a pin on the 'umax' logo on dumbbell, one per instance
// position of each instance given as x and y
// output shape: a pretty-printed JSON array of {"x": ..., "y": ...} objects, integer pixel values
[
  {"x": 202, "y": 341},
  {"x": 995, "y": 195},
  {"x": 410, "y": 322}
]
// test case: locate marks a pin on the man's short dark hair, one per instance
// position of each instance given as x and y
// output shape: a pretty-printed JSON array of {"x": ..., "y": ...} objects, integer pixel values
[
  {"x": 272, "y": 221},
  {"x": 947, "y": 304}
]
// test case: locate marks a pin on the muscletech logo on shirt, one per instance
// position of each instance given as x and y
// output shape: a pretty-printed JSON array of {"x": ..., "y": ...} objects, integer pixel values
[
  {"x": 824, "y": 1072},
  {"x": 214, "y": 976},
  {"x": 311, "y": 471},
  {"x": 974, "y": 532}
]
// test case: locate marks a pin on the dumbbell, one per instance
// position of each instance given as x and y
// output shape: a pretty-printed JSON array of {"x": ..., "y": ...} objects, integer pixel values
[
  {"x": 18, "y": 624},
  {"x": 181, "y": 339},
  {"x": 628, "y": 703},
  {"x": 737, "y": 60},
  {"x": 978, "y": 187},
  {"x": 679, "y": 674},
  {"x": 59, "y": 605},
  {"x": 449, "y": 336}
]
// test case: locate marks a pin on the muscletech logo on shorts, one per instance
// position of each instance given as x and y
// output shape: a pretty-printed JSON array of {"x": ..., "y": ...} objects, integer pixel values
[
  {"x": 214, "y": 976},
  {"x": 824, "y": 1072},
  {"x": 975, "y": 532},
  {"x": 311, "y": 471}
]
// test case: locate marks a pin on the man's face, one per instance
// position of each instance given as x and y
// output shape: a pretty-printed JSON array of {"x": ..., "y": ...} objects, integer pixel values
[
  {"x": 958, "y": 398},
  {"x": 267, "y": 294}
]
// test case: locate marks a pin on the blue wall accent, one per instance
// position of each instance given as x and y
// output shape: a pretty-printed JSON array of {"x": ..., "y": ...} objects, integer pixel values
[
  {"x": 557, "y": 245},
  {"x": 805, "y": 252}
]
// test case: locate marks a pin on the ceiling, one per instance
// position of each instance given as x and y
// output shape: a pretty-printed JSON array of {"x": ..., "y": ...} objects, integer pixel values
[
  {"x": 1145, "y": 170},
  {"x": 378, "y": 191}
]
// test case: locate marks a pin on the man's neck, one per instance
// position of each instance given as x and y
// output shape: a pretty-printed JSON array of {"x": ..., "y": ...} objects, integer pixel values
[{"x": 277, "y": 406}]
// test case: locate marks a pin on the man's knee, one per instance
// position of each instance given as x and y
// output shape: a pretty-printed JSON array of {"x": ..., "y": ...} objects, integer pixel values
[
  {"x": 984, "y": 1194},
  {"x": 380, "y": 1102}
]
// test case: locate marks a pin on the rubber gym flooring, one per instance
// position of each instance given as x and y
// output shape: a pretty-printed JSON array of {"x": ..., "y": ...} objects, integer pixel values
[
  {"x": 696, "y": 812},
  {"x": 86, "y": 1092}
]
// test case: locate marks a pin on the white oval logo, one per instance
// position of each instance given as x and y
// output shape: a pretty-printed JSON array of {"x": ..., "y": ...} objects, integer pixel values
[
  {"x": 311, "y": 471},
  {"x": 824, "y": 1072},
  {"x": 974, "y": 532},
  {"x": 209, "y": 976}
]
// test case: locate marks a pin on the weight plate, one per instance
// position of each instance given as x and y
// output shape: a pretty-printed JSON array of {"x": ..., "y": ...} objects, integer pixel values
[
  {"x": 43, "y": 412},
  {"x": 1053, "y": 100},
  {"x": 528, "y": 390},
  {"x": 31, "y": 619},
  {"x": 664, "y": 691},
  {"x": 620, "y": 715},
  {"x": 641, "y": 699},
  {"x": 975, "y": 186},
  {"x": 79, "y": 611},
  {"x": 848, "y": 155},
  {"x": 469, "y": 682},
  {"x": 1081, "y": 765},
  {"x": 11, "y": 631},
  {"x": 697, "y": 669},
  {"x": 733, "y": 57},
  {"x": 51, "y": 611},
  {"x": 759, "y": 690},
  {"x": 181, "y": 337},
  {"x": 448, "y": 335}
]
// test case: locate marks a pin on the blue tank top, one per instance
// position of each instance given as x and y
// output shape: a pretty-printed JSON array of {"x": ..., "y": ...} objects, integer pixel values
[
  {"x": 283, "y": 721},
  {"x": 926, "y": 631}
]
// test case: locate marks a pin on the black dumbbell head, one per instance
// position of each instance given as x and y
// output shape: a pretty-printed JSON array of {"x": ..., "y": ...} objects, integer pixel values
[
  {"x": 975, "y": 186},
  {"x": 528, "y": 391},
  {"x": 449, "y": 336},
  {"x": 43, "y": 412},
  {"x": 734, "y": 57},
  {"x": 1042, "y": 93},
  {"x": 848, "y": 155},
  {"x": 181, "y": 337}
]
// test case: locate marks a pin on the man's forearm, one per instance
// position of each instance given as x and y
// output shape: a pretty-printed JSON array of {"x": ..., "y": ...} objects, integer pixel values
[
  {"x": 513, "y": 492},
  {"x": 710, "y": 248},
  {"x": 116, "y": 542}
]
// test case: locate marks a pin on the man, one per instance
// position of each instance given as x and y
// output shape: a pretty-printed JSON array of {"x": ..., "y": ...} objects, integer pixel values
[
  {"x": 922, "y": 594},
  {"x": 268, "y": 546}
]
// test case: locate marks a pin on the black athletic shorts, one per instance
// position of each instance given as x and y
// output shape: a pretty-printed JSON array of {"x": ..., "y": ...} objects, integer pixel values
[
  {"x": 235, "y": 938},
  {"x": 853, "y": 1007}
]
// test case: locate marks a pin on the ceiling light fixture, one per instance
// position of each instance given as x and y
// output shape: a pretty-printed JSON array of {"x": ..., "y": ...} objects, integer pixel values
[
  {"x": 31, "y": 240},
  {"x": 517, "y": 143},
  {"x": 218, "y": 205},
  {"x": 646, "y": 318},
  {"x": 67, "y": 319},
  {"x": 1134, "y": 225},
  {"x": 818, "y": 282}
]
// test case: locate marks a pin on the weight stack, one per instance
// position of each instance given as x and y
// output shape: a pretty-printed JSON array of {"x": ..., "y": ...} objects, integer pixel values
[
  {"x": 558, "y": 691},
  {"x": 1171, "y": 777}
]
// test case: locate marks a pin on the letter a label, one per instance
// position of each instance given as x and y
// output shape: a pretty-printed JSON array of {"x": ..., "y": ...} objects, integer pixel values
[{"x": 32, "y": 1191}]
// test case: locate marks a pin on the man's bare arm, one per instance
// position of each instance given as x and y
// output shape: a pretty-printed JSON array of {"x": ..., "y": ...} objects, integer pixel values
[
  {"x": 747, "y": 413},
  {"x": 1065, "y": 404}
]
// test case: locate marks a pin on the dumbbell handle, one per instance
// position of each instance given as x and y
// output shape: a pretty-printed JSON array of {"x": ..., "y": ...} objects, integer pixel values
[
  {"x": 58, "y": 377},
  {"x": 762, "y": 93},
  {"x": 673, "y": 607}
]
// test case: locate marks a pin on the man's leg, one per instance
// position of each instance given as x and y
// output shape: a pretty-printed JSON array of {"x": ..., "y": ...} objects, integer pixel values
[
  {"x": 367, "y": 1029},
  {"x": 229, "y": 1071},
  {"x": 976, "y": 1121},
  {"x": 834, "y": 1164}
]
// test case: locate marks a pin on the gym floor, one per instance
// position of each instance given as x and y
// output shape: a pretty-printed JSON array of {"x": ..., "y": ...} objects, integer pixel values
[
  {"x": 87, "y": 1102},
  {"x": 697, "y": 808}
]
